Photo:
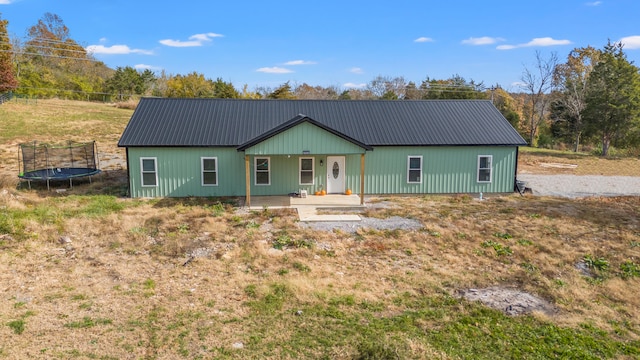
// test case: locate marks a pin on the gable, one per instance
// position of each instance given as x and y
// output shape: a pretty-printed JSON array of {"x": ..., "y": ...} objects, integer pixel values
[{"x": 304, "y": 138}]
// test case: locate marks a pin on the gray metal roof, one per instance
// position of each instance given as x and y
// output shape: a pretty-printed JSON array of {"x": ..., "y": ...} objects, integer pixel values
[{"x": 232, "y": 122}]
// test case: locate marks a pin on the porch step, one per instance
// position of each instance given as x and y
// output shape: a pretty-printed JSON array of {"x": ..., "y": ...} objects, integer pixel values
[{"x": 310, "y": 213}]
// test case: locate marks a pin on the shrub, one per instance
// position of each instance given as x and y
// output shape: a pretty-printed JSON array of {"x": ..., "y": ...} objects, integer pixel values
[
  {"x": 600, "y": 264},
  {"x": 629, "y": 269}
]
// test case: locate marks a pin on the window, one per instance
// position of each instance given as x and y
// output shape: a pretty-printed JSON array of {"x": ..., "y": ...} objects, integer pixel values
[
  {"x": 484, "y": 168},
  {"x": 149, "y": 171},
  {"x": 414, "y": 170},
  {"x": 262, "y": 171},
  {"x": 209, "y": 171},
  {"x": 306, "y": 171}
]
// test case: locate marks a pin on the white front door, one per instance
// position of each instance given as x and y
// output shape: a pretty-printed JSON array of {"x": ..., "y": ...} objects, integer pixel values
[{"x": 335, "y": 175}]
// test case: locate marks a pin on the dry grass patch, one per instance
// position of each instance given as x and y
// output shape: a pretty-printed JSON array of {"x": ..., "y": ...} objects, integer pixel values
[
  {"x": 542, "y": 161},
  {"x": 196, "y": 277}
]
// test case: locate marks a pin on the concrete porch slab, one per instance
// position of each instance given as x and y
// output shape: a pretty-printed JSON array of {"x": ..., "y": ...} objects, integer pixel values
[{"x": 337, "y": 201}]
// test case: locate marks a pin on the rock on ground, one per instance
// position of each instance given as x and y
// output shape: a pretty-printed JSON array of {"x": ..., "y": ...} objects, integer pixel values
[{"x": 510, "y": 301}]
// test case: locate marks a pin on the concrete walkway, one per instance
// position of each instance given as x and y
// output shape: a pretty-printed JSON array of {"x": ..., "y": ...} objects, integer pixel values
[
  {"x": 308, "y": 207},
  {"x": 310, "y": 213}
]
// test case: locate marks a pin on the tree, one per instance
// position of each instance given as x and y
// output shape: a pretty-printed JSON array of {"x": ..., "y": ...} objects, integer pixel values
[
  {"x": 248, "y": 94},
  {"x": 8, "y": 80},
  {"x": 385, "y": 87},
  {"x": 224, "y": 90},
  {"x": 50, "y": 37},
  {"x": 506, "y": 104},
  {"x": 282, "y": 92},
  {"x": 570, "y": 80},
  {"x": 128, "y": 81},
  {"x": 306, "y": 91},
  {"x": 538, "y": 84},
  {"x": 51, "y": 63},
  {"x": 456, "y": 87},
  {"x": 613, "y": 98},
  {"x": 193, "y": 85},
  {"x": 411, "y": 92}
]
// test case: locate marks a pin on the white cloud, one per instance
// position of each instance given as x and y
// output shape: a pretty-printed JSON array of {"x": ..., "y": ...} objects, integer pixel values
[
  {"x": 631, "y": 42},
  {"x": 356, "y": 70},
  {"x": 300, "y": 62},
  {"x": 485, "y": 40},
  {"x": 194, "y": 40},
  {"x": 115, "y": 50},
  {"x": 5, "y": 2},
  {"x": 145, "y": 67},
  {"x": 423, "y": 39},
  {"x": 352, "y": 85},
  {"x": 274, "y": 70},
  {"x": 594, "y": 3},
  {"x": 545, "y": 41}
]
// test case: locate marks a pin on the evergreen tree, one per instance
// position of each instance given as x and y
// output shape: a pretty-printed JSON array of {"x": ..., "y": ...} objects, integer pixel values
[
  {"x": 282, "y": 92},
  {"x": 224, "y": 90},
  {"x": 613, "y": 98}
]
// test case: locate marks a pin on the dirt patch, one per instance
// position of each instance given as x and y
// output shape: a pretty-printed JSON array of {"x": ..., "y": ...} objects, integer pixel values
[{"x": 510, "y": 301}]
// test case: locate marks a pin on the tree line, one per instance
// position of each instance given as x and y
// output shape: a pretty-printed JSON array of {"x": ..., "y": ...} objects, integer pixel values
[{"x": 590, "y": 101}]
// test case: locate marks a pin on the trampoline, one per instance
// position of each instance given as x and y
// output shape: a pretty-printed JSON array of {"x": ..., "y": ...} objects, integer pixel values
[{"x": 46, "y": 162}]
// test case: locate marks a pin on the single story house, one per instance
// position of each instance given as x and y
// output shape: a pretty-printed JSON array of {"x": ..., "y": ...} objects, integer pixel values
[{"x": 232, "y": 147}]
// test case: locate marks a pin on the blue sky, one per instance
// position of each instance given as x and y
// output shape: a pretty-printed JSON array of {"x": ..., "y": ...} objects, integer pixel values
[{"x": 336, "y": 43}]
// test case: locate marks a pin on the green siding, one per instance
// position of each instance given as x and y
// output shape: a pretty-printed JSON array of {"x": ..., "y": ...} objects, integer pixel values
[
  {"x": 179, "y": 172},
  {"x": 444, "y": 170},
  {"x": 305, "y": 137}
]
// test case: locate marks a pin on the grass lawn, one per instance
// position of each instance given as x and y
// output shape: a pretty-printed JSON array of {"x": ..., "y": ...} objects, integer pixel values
[{"x": 90, "y": 274}]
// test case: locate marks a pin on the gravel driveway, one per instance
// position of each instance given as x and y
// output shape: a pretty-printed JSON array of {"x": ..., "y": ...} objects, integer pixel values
[{"x": 575, "y": 186}]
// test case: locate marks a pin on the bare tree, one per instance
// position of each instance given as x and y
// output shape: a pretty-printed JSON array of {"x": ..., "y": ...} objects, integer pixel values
[
  {"x": 538, "y": 84},
  {"x": 385, "y": 87}
]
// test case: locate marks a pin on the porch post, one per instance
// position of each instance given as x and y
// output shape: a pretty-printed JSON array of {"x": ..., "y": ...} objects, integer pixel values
[
  {"x": 362, "y": 179},
  {"x": 247, "y": 180}
]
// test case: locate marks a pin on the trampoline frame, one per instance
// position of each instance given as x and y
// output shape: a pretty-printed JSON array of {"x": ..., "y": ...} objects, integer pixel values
[{"x": 63, "y": 167}]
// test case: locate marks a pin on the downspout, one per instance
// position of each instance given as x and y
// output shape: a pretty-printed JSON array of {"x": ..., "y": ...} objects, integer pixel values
[
  {"x": 515, "y": 175},
  {"x": 128, "y": 171},
  {"x": 362, "y": 178},
  {"x": 247, "y": 177}
]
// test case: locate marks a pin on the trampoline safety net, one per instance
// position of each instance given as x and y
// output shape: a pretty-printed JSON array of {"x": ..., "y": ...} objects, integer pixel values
[{"x": 36, "y": 157}]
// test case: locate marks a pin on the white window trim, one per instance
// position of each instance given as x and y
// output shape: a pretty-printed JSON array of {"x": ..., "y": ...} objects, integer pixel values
[
  {"x": 490, "y": 168},
  {"x": 313, "y": 170},
  {"x": 409, "y": 169},
  {"x": 202, "y": 170},
  {"x": 142, "y": 172},
  {"x": 255, "y": 170}
]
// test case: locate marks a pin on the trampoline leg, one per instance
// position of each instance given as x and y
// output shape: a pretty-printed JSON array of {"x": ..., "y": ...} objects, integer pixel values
[
  {"x": 70, "y": 183},
  {"x": 48, "y": 185},
  {"x": 29, "y": 182}
]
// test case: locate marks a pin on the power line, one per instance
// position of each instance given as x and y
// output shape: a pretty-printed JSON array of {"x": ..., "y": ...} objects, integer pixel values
[{"x": 49, "y": 55}]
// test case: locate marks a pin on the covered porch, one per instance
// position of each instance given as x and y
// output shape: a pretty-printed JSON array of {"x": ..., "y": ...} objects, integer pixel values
[{"x": 303, "y": 156}]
